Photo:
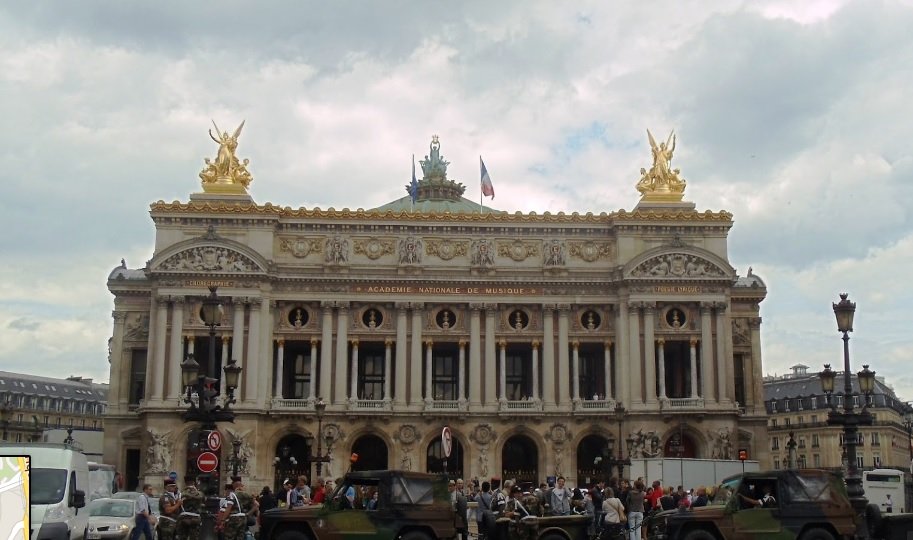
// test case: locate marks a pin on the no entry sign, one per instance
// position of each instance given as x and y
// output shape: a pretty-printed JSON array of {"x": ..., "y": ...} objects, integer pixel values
[{"x": 207, "y": 462}]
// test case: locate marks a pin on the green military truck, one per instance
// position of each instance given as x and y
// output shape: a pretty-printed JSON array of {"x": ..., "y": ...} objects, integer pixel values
[
  {"x": 410, "y": 505},
  {"x": 806, "y": 504}
]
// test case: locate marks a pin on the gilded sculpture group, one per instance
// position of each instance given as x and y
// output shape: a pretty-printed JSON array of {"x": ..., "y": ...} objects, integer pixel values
[{"x": 661, "y": 178}]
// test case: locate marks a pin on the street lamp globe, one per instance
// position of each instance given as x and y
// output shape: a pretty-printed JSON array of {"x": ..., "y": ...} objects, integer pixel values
[
  {"x": 189, "y": 371},
  {"x": 212, "y": 309},
  {"x": 827, "y": 379},
  {"x": 844, "y": 311},
  {"x": 866, "y": 379},
  {"x": 232, "y": 373}
]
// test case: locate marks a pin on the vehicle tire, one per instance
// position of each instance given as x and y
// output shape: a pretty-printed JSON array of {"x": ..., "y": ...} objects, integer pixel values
[
  {"x": 817, "y": 533},
  {"x": 552, "y": 536},
  {"x": 414, "y": 535},
  {"x": 699, "y": 534},
  {"x": 292, "y": 535}
]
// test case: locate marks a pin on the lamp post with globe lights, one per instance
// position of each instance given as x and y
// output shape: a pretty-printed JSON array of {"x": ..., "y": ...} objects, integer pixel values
[{"x": 849, "y": 418}]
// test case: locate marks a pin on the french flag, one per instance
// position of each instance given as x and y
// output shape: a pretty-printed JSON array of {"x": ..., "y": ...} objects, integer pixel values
[{"x": 487, "y": 188}]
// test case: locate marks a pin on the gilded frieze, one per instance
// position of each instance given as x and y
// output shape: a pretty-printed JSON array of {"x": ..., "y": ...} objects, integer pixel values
[
  {"x": 299, "y": 246},
  {"x": 446, "y": 249},
  {"x": 374, "y": 248},
  {"x": 518, "y": 250},
  {"x": 592, "y": 251},
  {"x": 677, "y": 265},
  {"x": 209, "y": 258}
]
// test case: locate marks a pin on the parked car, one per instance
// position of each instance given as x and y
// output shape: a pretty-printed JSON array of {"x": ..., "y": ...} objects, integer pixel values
[{"x": 114, "y": 518}]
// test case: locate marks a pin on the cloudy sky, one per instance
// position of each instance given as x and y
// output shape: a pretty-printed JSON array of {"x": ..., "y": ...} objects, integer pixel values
[{"x": 794, "y": 116}]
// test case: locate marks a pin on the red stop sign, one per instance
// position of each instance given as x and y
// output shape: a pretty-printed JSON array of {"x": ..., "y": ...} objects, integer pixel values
[{"x": 207, "y": 462}]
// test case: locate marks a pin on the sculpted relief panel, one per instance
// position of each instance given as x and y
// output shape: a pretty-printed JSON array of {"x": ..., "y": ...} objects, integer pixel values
[
  {"x": 210, "y": 258},
  {"x": 300, "y": 247},
  {"x": 677, "y": 265}
]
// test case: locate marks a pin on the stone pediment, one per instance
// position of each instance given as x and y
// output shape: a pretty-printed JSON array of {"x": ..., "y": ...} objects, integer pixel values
[
  {"x": 209, "y": 253},
  {"x": 680, "y": 264}
]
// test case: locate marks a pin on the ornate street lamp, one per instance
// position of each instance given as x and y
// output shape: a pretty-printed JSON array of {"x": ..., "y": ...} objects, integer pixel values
[
  {"x": 320, "y": 407},
  {"x": 849, "y": 418},
  {"x": 205, "y": 408}
]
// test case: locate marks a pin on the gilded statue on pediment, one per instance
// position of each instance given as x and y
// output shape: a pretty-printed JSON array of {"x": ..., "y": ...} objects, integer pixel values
[
  {"x": 661, "y": 182},
  {"x": 227, "y": 174}
]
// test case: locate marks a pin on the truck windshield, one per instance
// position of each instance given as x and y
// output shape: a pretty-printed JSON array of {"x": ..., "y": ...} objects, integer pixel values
[
  {"x": 47, "y": 486},
  {"x": 724, "y": 491}
]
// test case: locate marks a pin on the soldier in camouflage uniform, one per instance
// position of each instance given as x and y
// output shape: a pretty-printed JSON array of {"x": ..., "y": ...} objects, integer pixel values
[
  {"x": 170, "y": 503},
  {"x": 247, "y": 503},
  {"x": 231, "y": 522},
  {"x": 188, "y": 526}
]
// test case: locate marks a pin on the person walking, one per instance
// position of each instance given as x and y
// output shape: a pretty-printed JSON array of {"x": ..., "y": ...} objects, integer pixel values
[
  {"x": 143, "y": 515},
  {"x": 560, "y": 499},
  {"x": 636, "y": 497},
  {"x": 484, "y": 517}
]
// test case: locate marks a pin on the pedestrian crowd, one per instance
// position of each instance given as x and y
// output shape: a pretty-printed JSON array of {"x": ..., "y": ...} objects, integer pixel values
[{"x": 614, "y": 509}]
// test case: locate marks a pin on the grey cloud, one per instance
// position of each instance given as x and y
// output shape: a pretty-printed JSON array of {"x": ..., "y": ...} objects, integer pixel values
[{"x": 24, "y": 325}]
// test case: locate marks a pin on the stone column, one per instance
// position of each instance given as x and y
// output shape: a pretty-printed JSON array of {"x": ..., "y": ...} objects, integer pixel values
[
  {"x": 173, "y": 389},
  {"x": 342, "y": 346},
  {"x": 502, "y": 368},
  {"x": 662, "y": 367},
  {"x": 721, "y": 360},
  {"x": 475, "y": 355},
  {"x": 402, "y": 330},
  {"x": 634, "y": 358},
  {"x": 607, "y": 352},
  {"x": 693, "y": 343},
  {"x": 461, "y": 383},
  {"x": 415, "y": 397},
  {"x": 563, "y": 356},
  {"x": 116, "y": 395},
  {"x": 706, "y": 354},
  {"x": 252, "y": 369},
  {"x": 280, "y": 364},
  {"x": 156, "y": 371},
  {"x": 622, "y": 358},
  {"x": 312, "y": 382},
  {"x": 650, "y": 352},
  {"x": 353, "y": 373},
  {"x": 535, "y": 345},
  {"x": 429, "y": 368},
  {"x": 326, "y": 351},
  {"x": 388, "y": 366},
  {"x": 575, "y": 364},
  {"x": 548, "y": 356},
  {"x": 491, "y": 360},
  {"x": 237, "y": 331},
  {"x": 222, "y": 388},
  {"x": 756, "y": 375}
]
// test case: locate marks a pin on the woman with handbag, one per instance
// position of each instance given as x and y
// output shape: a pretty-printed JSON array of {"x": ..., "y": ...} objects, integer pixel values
[{"x": 614, "y": 518}]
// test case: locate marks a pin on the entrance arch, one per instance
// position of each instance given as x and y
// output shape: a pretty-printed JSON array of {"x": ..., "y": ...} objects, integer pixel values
[
  {"x": 372, "y": 454},
  {"x": 591, "y": 460},
  {"x": 290, "y": 460},
  {"x": 435, "y": 459},
  {"x": 520, "y": 461},
  {"x": 680, "y": 445}
]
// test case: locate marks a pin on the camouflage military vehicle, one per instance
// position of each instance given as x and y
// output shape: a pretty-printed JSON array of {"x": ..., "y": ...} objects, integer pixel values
[
  {"x": 805, "y": 504},
  {"x": 573, "y": 527},
  {"x": 409, "y": 505}
]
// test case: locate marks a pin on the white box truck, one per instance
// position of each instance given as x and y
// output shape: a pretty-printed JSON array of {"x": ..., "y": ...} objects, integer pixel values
[{"x": 58, "y": 479}]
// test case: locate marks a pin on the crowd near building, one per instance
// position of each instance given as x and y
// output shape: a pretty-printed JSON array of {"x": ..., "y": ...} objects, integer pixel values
[{"x": 550, "y": 344}]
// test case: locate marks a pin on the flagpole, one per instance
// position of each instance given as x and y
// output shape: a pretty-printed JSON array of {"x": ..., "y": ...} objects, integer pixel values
[
  {"x": 412, "y": 186},
  {"x": 481, "y": 194}
]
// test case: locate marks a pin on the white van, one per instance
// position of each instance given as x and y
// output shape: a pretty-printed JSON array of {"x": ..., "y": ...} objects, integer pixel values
[{"x": 58, "y": 479}]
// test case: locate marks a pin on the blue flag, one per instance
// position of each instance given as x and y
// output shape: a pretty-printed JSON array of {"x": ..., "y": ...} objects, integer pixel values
[{"x": 413, "y": 187}]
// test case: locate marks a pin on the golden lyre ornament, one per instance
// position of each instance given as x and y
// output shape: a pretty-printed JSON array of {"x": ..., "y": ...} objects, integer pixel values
[
  {"x": 661, "y": 183},
  {"x": 226, "y": 175}
]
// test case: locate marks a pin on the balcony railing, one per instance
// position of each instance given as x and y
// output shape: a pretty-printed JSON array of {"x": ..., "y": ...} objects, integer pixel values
[
  {"x": 293, "y": 404},
  {"x": 684, "y": 403},
  {"x": 595, "y": 405},
  {"x": 446, "y": 405},
  {"x": 528, "y": 405},
  {"x": 370, "y": 405}
]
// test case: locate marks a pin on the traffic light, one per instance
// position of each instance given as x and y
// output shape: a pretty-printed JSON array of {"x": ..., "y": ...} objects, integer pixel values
[{"x": 743, "y": 454}]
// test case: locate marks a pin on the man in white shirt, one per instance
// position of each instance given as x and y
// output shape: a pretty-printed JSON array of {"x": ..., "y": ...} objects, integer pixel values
[{"x": 143, "y": 515}]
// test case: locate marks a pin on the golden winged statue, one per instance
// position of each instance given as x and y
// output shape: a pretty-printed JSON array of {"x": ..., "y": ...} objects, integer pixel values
[
  {"x": 226, "y": 175},
  {"x": 661, "y": 182}
]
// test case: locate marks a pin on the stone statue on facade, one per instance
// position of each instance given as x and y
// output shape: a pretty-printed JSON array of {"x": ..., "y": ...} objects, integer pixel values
[
  {"x": 661, "y": 182},
  {"x": 245, "y": 452},
  {"x": 482, "y": 253},
  {"x": 226, "y": 174},
  {"x": 410, "y": 250},
  {"x": 158, "y": 454},
  {"x": 337, "y": 251},
  {"x": 554, "y": 254},
  {"x": 646, "y": 445},
  {"x": 722, "y": 444}
]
